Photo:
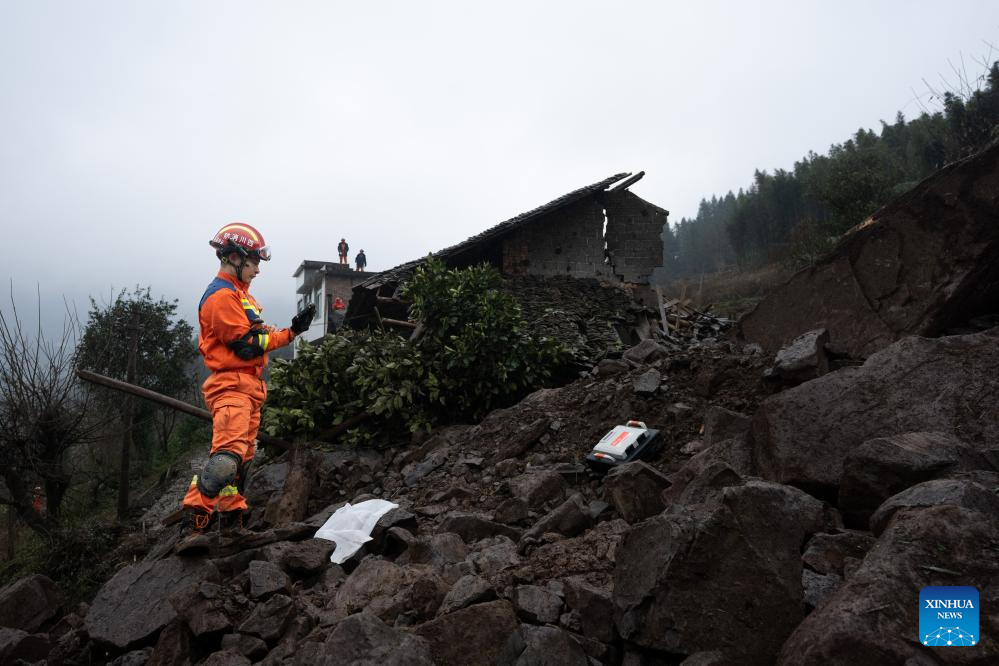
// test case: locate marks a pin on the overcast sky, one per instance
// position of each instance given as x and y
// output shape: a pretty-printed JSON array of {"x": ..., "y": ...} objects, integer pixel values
[{"x": 130, "y": 131}]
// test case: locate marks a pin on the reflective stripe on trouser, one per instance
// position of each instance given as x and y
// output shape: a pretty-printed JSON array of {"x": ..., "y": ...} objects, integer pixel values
[{"x": 234, "y": 399}]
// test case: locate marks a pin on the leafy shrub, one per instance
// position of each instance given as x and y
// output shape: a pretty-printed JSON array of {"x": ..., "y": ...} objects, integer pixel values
[
  {"x": 476, "y": 353},
  {"x": 478, "y": 339}
]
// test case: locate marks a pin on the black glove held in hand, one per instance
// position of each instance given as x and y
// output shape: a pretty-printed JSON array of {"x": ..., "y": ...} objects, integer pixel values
[
  {"x": 247, "y": 347},
  {"x": 300, "y": 322}
]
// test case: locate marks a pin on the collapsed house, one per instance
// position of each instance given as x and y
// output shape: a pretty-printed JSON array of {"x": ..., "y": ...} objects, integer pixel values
[{"x": 589, "y": 253}]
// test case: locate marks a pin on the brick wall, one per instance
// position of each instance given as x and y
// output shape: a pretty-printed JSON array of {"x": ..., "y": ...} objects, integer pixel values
[
  {"x": 634, "y": 235},
  {"x": 341, "y": 283},
  {"x": 567, "y": 241}
]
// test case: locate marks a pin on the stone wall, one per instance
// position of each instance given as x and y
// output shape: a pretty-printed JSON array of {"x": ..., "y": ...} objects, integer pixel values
[
  {"x": 568, "y": 241},
  {"x": 341, "y": 283},
  {"x": 634, "y": 235}
]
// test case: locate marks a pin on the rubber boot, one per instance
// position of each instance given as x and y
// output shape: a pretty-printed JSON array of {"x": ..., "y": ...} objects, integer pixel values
[
  {"x": 231, "y": 524},
  {"x": 195, "y": 534}
]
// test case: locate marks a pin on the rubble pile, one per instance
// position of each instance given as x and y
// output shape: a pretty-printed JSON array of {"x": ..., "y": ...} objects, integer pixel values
[
  {"x": 756, "y": 535},
  {"x": 683, "y": 323},
  {"x": 587, "y": 315},
  {"x": 597, "y": 319}
]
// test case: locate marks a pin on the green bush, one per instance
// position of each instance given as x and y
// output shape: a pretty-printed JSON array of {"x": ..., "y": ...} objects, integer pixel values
[
  {"x": 77, "y": 558},
  {"x": 476, "y": 353}
]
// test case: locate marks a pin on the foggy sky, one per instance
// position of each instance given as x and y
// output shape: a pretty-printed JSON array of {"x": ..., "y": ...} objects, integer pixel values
[{"x": 130, "y": 131}]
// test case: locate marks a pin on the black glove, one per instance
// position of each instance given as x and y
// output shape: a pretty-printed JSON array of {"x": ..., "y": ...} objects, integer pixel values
[
  {"x": 300, "y": 322},
  {"x": 247, "y": 347}
]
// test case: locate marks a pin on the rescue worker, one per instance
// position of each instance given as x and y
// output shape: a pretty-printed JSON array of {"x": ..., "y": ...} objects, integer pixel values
[
  {"x": 342, "y": 249},
  {"x": 234, "y": 341}
]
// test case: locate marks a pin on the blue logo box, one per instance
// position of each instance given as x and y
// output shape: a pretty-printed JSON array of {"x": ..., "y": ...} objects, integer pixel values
[{"x": 948, "y": 616}]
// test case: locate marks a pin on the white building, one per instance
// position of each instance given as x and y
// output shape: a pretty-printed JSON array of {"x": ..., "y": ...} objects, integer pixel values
[{"x": 321, "y": 282}]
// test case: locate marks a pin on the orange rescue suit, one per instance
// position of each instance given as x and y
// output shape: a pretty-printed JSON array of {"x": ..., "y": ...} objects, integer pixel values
[{"x": 234, "y": 392}]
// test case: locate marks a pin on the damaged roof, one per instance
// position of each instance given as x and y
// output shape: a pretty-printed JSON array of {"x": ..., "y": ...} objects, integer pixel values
[{"x": 402, "y": 270}]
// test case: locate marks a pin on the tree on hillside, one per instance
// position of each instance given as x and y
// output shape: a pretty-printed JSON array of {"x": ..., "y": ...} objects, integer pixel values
[
  {"x": 43, "y": 415},
  {"x": 794, "y": 216},
  {"x": 138, "y": 340}
]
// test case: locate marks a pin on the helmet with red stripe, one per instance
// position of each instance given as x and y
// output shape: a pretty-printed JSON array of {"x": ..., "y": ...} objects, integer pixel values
[{"x": 241, "y": 239}]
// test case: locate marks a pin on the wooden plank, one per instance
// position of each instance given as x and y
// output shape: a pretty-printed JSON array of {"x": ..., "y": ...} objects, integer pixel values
[
  {"x": 398, "y": 322},
  {"x": 167, "y": 401},
  {"x": 662, "y": 310},
  {"x": 627, "y": 183},
  {"x": 392, "y": 300}
]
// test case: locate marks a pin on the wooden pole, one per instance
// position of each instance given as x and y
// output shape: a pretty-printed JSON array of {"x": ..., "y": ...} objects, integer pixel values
[
  {"x": 662, "y": 310},
  {"x": 203, "y": 414},
  {"x": 172, "y": 403},
  {"x": 398, "y": 322}
]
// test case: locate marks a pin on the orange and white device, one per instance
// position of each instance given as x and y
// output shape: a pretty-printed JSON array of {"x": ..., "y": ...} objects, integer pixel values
[{"x": 623, "y": 444}]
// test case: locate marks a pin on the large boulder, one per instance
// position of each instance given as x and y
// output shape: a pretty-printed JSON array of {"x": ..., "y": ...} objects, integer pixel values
[
  {"x": 537, "y": 488},
  {"x": 593, "y": 605},
  {"x": 568, "y": 519},
  {"x": 927, "y": 261},
  {"x": 635, "y": 490},
  {"x": 493, "y": 556},
  {"x": 873, "y": 618},
  {"x": 802, "y": 360},
  {"x": 20, "y": 647},
  {"x": 269, "y": 619},
  {"x": 29, "y": 603},
  {"x": 882, "y": 467},
  {"x": 466, "y": 591},
  {"x": 722, "y": 464},
  {"x": 202, "y": 607},
  {"x": 932, "y": 493},
  {"x": 724, "y": 575},
  {"x": 472, "y": 636},
  {"x": 537, "y": 604},
  {"x": 531, "y": 645},
  {"x": 302, "y": 558},
  {"x": 364, "y": 640},
  {"x": 721, "y": 424},
  {"x": 388, "y": 590},
  {"x": 472, "y": 527},
  {"x": 134, "y": 604},
  {"x": 804, "y": 435}
]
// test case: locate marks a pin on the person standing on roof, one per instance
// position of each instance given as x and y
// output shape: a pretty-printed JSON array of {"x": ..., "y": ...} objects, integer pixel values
[
  {"x": 234, "y": 341},
  {"x": 342, "y": 249},
  {"x": 361, "y": 261}
]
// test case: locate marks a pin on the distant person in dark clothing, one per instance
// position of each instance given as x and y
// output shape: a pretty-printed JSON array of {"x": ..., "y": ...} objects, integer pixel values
[
  {"x": 361, "y": 261},
  {"x": 342, "y": 249}
]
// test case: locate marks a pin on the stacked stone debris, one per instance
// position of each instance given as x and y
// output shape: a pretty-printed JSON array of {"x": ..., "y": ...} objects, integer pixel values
[
  {"x": 766, "y": 530},
  {"x": 591, "y": 317}
]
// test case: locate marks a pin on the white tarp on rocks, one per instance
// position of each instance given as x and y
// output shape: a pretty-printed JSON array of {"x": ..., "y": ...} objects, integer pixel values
[{"x": 351, "y": 525}]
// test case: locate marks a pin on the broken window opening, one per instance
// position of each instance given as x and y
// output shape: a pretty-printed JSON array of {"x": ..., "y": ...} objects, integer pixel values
[{"x": 607, "y": 257}]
